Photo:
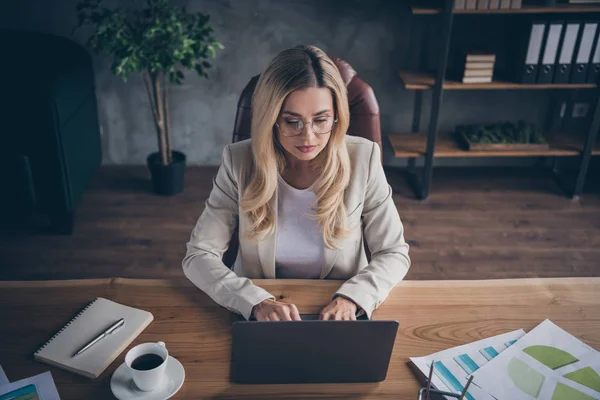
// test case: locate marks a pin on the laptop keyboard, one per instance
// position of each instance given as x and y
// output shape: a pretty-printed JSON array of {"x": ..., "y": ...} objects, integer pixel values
[
  {"x": 314, "y": 317},
  {"x": 309, "y": 317}
]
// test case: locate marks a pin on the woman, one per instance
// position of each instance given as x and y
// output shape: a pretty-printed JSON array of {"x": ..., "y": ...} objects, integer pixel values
[{"x": 304, "y": 193}]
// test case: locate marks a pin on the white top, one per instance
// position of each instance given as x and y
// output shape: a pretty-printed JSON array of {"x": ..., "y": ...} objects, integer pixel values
[{"x": 299, "y": 248}]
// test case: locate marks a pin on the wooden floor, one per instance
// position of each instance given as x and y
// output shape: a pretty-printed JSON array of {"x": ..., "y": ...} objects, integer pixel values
[{"x": 475, "y": 225}]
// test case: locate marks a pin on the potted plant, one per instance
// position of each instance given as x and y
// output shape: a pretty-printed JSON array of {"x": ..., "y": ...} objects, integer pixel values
[
  {"x": 501, "y": 136},
  {"x": 160, "y": 40}
]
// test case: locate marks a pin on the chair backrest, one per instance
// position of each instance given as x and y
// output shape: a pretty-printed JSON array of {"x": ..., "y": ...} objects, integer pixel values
[
  {"x": 364, "y": 122},
  {"x": 364, "y": 109}
]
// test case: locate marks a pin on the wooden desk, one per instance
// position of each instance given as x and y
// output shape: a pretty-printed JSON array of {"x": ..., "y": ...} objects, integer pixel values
[{"x": 433, "y": 315}]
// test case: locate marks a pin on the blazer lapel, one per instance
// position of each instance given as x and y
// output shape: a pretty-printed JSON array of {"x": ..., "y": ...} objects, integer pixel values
[
  {"x": 266, "y": 247},
  {"x": 331, "y": 256}
]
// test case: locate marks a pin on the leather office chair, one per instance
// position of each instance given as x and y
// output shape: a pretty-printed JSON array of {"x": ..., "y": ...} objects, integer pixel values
[{"x": 364, "y": 122}]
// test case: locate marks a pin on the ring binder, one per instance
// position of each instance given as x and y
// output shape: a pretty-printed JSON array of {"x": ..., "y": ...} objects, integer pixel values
[
  {"x": 562, "y": 71},
  {"x": 583, "y": 52},
  {"x": 66, "y": 326},
  {"x": 594, "y": 72},
  {"x": 527, "y": 51},
  {"x": 550, "y": 46}
]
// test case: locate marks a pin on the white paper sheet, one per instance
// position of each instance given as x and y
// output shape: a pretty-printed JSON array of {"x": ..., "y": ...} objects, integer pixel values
[
  {"x": 3, "y": 378},
  {"x": 42, "y": 384},
  {"x": 454, "y": 366},
  {"x": 534, "y": 368}
]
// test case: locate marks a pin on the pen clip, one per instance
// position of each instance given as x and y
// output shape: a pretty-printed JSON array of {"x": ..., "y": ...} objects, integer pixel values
[{"x": 116, "y": 326}]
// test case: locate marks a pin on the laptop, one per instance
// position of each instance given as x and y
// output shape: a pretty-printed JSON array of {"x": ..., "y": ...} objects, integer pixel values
[{"x": 311, "y": 351}]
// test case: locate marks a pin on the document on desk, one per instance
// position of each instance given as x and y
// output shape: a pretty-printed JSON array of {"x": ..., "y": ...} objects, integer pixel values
[
  {"x": 3, "y": 378},
  {"x": 454, "y": 366},
  {"x": 546, "y": 363},
  {"x": 38, "y": 387}
]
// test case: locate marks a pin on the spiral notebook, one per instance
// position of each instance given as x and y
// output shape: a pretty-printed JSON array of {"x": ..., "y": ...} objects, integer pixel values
[{"x": 96, "y": 317}]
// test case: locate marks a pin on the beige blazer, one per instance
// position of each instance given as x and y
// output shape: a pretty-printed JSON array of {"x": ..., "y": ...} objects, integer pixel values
[{"x": 371, "y": 212}]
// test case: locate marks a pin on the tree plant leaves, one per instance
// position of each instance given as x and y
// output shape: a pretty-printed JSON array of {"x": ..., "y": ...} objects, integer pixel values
[{"x": 155, "y": 38}]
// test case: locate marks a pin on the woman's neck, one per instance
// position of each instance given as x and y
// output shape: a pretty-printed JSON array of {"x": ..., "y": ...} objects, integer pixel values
[
  {"x": 300, "y": 174},
  {"x": 300, "y": 166}
]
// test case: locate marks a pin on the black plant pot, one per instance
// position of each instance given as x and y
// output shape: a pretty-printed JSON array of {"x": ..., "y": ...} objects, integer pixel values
[{"x": 167, "y": 180}]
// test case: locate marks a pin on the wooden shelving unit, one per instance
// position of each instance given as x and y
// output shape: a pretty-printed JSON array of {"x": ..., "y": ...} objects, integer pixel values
[
  {"x": 407, "y": 145},
  {"x": 425, "y": 81},
  {"x": 432, "y": 144},
  {"x": 526, "y": 9}
]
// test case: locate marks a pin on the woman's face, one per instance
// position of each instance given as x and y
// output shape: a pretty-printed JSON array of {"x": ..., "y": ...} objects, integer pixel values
[{"x": 310, "y": 109}]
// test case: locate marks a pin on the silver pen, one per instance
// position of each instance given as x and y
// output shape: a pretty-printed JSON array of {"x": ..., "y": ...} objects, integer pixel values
[{"x": 112, "y": 329}]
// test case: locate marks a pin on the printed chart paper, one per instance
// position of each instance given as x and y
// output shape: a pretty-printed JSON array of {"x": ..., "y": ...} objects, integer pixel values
[
  {"x": 3, "y": 378},
  {"x": 546, "y": 363},
  {"x": 38, "y": 387},
  {"x": 28, "y": 392},
  {"x": 454, "y": 366}
]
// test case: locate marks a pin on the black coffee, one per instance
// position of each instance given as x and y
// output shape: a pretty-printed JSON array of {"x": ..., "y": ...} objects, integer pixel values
[{"x": 146, "y": 362}]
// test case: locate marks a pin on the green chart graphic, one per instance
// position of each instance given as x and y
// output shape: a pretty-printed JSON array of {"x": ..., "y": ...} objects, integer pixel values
[
  {"x": 564, "y": 392},
  {"x": 550, "y": 356},
  {"x": 530, "y": 381},
  {"x": 585, "y": 376},
  {"x": 525, "y": 378}
]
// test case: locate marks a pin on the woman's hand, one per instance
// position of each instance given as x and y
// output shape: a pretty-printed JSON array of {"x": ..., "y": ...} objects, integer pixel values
[
  {"x": 339, "y": 308},
  {"x": 271, "y": 310}
]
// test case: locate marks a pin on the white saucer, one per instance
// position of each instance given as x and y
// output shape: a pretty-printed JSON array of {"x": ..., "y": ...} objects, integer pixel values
[{"x": 124, "y": 388}]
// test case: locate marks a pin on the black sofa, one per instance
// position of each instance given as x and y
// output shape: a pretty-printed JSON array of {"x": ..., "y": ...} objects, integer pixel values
[{"x": 50, "y": 143}]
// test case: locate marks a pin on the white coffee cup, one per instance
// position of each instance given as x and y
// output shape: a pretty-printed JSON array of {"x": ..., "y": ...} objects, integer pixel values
[{"x": 150, "y": 379}]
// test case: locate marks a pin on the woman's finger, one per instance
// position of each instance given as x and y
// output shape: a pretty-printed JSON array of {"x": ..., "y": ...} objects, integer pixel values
[
  {"x": 261, "y": 316},
  {"x": 273, "y": 316},
  {"x": 284, "y": 313},
  {"x": 294, "y": 313}
]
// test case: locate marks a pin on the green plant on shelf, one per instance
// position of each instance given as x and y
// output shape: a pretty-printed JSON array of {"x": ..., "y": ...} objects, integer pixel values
[{"x": 502, "y": 133}]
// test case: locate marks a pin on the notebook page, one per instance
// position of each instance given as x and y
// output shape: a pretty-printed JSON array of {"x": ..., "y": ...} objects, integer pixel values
[{"x": 96, "y": 318}]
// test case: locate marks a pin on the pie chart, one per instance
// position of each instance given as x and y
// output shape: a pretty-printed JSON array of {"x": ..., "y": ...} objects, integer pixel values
[{"x": 550, "y": 356}]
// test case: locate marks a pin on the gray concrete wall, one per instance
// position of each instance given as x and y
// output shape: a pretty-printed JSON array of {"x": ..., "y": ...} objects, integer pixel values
[{"x": 377, "y": 37}]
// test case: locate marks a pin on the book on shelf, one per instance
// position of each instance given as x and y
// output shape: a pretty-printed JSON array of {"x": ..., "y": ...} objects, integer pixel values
[
  {"x": 472, "y": 66},
  {"x": 477, "y": 79},
  {"x": 471, "y": 4},
  {"x": 483, "y": 4},
  {"x": 504, "y": 4},
  {"x": 494, "y": 4},
  {"x": 476, "y": 76},
  {"x": 479, "y": 72},
  {"x": 475, "y": 56},
  {"x": 479, "y": 65}
]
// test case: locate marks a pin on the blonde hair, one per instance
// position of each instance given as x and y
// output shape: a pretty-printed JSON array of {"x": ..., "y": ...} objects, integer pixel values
[{"x": 293, "y": 69}]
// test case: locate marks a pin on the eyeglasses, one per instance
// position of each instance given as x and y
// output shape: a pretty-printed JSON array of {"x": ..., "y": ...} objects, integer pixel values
[{"x": 294, "y": 127}]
